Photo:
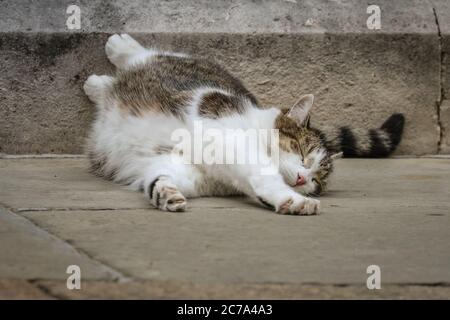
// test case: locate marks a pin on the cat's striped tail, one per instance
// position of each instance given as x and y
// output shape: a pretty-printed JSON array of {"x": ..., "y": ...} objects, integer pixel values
[{"x": 364, "y": 143}]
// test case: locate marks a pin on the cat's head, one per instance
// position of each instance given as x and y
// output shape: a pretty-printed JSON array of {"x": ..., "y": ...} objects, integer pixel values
[{"x": 305, "y": 162}]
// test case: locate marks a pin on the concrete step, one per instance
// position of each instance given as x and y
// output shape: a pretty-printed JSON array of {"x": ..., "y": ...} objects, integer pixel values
[{"x": 281, "y": 49}]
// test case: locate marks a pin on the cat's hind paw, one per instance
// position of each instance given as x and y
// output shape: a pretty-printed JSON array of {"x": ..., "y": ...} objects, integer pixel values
[
  {"x": 120, "y": 48},
  {"x": 95, "y": 87},
  {"x": 165, "y": 196}
]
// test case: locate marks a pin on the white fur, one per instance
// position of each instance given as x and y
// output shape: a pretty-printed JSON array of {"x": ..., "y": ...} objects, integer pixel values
[{"x": 128, "y": 143}]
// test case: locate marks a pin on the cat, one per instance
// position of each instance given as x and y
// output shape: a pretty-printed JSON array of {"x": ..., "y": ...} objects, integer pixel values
[{"x": 156, "y": 92}]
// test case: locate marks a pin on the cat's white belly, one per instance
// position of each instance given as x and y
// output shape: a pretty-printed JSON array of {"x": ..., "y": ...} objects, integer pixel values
[
  {"x": 133, "y": 144},
  {"x": 119, "y": 133}
]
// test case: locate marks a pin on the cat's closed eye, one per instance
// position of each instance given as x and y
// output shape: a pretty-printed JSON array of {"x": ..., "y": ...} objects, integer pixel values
[
  {"x": 308, "y": 162},
  {"x": 296, "y": 147}
]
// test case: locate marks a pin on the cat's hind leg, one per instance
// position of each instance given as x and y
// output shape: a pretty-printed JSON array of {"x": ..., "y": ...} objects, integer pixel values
[
  {"x": 97, "y": 87},
  {"x": 123, "y": 51},
  {"x": 166, "y": 183}
]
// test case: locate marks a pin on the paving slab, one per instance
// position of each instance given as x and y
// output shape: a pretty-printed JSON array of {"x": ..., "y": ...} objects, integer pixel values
[
  {"x": 392, "y": 212},
  {"x": 32, "y": 183},
  {"x": 14, "y": 289},
  {"x": 28, "y": 252},
  {"x": 241, "y": 245},
  {"x": 60, "y": 184},
  {"x": 179, "y": 290}
]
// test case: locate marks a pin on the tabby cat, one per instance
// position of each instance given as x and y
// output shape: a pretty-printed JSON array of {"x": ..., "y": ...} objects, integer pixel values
[{"x": 156, "y": 92}]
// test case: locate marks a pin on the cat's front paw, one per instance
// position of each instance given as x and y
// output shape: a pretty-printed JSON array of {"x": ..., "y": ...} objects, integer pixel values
[
  {"x": 166, "y": 196},
  {"x": 300, "y": 205}
]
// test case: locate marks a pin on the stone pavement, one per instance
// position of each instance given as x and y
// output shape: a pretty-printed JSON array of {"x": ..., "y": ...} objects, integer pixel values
[{"x": 393, "y": 213}]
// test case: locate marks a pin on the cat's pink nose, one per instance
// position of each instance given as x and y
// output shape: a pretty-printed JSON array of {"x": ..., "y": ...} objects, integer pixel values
[{"x": 301, "y": 180}]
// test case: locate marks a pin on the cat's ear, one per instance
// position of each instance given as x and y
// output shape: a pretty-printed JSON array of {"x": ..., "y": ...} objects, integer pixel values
[{"x": 300, "y": 110}]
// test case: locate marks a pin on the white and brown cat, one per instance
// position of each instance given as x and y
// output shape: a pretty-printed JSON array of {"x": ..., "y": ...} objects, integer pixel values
[{"x": 155, "y": 92}]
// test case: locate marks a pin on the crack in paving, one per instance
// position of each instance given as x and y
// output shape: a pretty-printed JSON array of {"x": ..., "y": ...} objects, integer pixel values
[
  {"x": 441, "y": 84},
  {"x": 58, "y": 209},
  {"x": 23, "y": 210},
  {"x": 351, "y": 284},
  {"x": 118, "y": 276},
  {"x": 49, "y": 209},
  {"x": 150, "y": 289},
  {"x": 44, "y": 289}
]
